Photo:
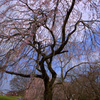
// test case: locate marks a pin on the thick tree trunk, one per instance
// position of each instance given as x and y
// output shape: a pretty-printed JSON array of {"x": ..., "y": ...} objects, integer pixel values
[
  {"x": 48, "y": 94},
  {"x": 48, "y": 84}
]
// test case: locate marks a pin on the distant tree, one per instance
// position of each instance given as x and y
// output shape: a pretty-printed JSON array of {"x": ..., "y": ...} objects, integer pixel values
[
  {"x": 19, "y": 83},
  {"x": 35, "y": 89},
  {"x": 34, "y": 33},
  {"x": 86, "y": 85}
]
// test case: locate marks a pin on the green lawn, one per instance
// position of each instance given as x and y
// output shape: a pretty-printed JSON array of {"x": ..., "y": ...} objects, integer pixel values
[{"x": 7, "y": 98}]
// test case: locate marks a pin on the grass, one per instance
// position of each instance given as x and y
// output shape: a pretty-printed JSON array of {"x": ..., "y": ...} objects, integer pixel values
[{"x": 7, "y": 98}]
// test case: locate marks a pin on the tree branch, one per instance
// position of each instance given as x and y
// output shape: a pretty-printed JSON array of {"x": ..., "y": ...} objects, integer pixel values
[
  {"x": 52, "y": 71},
  {"x": 66, "y": 20},
  {"x": 77, "y": 66},
  {"x": 22, "y": 75},
  {"x": 55, "y": 13}
]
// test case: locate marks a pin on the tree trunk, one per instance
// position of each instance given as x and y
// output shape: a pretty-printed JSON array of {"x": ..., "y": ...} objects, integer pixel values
[{"x": 48, "y": 92}]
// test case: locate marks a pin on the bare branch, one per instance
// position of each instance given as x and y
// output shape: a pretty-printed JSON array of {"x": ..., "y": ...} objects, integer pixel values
[
  {"x": 55, "y": 13},
  {"x": 20, "y": 74},
  {"x": 66, "y": 19},
  {"x": 79, "y": 65}
]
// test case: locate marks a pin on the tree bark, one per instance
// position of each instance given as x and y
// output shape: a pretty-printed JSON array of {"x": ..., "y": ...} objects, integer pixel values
[{"x": 48, "y": 93}]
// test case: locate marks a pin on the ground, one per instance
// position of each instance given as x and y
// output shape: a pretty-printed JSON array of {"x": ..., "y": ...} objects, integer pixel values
[{"x": 9, "y": 98}]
